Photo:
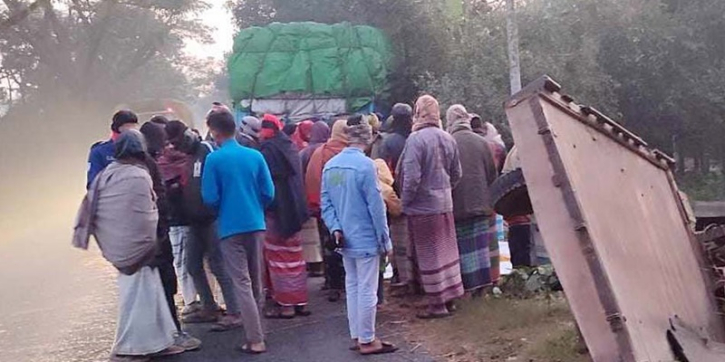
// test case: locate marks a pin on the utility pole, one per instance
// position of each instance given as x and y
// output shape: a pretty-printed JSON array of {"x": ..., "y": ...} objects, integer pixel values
[{"x": 512, "y": 32}]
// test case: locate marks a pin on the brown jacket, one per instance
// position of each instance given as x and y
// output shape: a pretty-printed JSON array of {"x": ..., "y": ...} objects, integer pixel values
[{"x": 471, "y": 196}]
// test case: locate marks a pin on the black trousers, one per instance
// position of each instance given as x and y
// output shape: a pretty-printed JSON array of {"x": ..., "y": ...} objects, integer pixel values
[
  {"x": 164, "y": 261},
  {"x": 520, "y": 244},
  {"x": 334, "y": 270}
]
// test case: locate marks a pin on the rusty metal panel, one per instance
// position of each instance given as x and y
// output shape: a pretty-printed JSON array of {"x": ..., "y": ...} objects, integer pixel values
[{"x": 614, "y": 225}]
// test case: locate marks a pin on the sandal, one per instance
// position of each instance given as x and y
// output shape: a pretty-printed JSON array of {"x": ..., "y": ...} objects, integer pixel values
[
  {"x": 429, "y": 315},
  {"x": 248, "y": 350},
  {"x": 334, "y": 296},
  {"x": 302, "y": 312},
  {"x": 278, "y": 315},
  {"x": 386, "y": 348}
]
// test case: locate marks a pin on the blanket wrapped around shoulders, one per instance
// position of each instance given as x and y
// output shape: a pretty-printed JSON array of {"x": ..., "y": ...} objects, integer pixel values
[{"x": 120, "y": 211}]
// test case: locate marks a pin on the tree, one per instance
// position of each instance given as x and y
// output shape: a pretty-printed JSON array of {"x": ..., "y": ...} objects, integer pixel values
[{"x": 98, "y": 51}]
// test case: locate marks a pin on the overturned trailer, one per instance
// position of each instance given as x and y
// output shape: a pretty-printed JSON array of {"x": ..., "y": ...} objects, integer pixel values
[{"x": 617, "y": 231}]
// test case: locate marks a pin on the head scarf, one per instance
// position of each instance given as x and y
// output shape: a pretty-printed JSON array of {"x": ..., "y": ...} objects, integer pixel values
[
  {"x": 304, "y": 129},
  {"x": 402, "y": 119},
  {"x": 130, "y": 145},
  {"x": 458, "y": 118},
  {"x": 492, "y": 134},
  {"x": 271, "y": 121},
  {"x": 427, "y": 113},
  {"x": 373, "y": 120},
  {"x": 339, "y": 132},
  {"x": 320, "y": 133},
  {"x": 360, "y": 134},
  {"x": 251, "y": 126}
]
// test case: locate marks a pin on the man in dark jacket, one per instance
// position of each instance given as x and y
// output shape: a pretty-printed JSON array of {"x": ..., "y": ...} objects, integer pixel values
[
  {"x": 164, "y": 261},
  {"x": 283, "y": 252},
  {"x": 101, "y": 154},
  {"x": 475, "y": 218},
  {"x": 203, "y": 240},
  {"x": 400, "y": 129}
]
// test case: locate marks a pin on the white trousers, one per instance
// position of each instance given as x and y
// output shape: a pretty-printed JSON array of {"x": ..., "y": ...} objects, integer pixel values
[
  {"x": 361, "y": 283},
  {"x": 179, "y": 236},
  {"x": 145, "y": 325}
]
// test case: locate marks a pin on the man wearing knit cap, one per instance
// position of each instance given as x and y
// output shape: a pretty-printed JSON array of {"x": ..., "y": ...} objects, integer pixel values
[
  {"x": 354, "y": 211},
  {"x": 248, "y": 135},
  {"x": 101, "y": 154}
]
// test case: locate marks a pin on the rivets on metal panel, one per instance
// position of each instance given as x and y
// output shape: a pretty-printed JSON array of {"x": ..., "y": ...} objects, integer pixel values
[
  {"x": 556, "y": 179},
  {"x": 616, "y": 321}
]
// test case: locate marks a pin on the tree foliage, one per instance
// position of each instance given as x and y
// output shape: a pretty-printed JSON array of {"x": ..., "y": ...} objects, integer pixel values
[{"x": 97, "y": 51}]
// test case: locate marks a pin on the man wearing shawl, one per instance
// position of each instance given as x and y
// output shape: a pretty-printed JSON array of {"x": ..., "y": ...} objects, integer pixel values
[
  {"x": 155, "y": 137},
  {"x": 301, "y": 135},
  {"x": 120, "y": 211},
  {"x": 311, "y": 245},
  {"x": 390, "y": 151},
  {"x": 286, "y": 268},
  {"x": 472, "y": 205},
  {"x": 429, "y": 168},
  {"x": 319, "y": 134},
  {"x": 334, "y": 271}
]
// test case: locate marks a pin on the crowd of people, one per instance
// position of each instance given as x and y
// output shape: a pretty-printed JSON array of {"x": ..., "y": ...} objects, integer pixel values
[{"x": 265, "y": 205}]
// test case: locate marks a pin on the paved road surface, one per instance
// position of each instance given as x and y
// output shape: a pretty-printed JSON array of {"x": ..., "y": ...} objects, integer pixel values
[
  {"x": 321, "y": 337},
  {"x": 59, "y": 304}
]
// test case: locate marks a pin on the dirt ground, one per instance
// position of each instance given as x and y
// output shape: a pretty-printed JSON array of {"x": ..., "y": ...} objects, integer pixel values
[{"x": 494, "y": 329}]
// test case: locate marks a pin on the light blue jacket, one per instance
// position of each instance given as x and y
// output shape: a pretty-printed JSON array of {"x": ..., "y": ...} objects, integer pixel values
[
  {"x": 352, "y": 203},
  {"x": 236, "y": 182}
]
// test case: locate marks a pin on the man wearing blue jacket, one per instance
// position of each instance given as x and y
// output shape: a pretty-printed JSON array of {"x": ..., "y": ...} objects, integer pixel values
[
  {"x": 237, "y": 183},
  {"x": 101, "y": 154},
  {"x": 354, "y": 211}
]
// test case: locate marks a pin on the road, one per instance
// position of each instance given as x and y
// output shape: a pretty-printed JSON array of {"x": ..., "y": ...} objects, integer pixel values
[{"x": 59, "y": 304}]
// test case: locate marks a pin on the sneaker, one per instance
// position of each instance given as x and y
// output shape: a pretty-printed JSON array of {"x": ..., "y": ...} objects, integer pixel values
[
  {"x": 187, "y": 342},
  {"x": 191, "y": 308},
  {"x": 227, "y": 323},
  {"x": 171, "y": 351},
  {"x": 202, "y": 316}
]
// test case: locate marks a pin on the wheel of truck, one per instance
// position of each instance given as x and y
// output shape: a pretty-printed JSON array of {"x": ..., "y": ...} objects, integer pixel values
[{"x": 510, "y": 195}]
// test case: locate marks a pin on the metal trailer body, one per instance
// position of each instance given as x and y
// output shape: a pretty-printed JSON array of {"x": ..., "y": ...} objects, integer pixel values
[{"x": 614, "y": 225}]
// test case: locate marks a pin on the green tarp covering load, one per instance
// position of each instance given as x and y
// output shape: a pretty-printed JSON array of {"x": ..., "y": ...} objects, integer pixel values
[{"x": 340, "y": 60}]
